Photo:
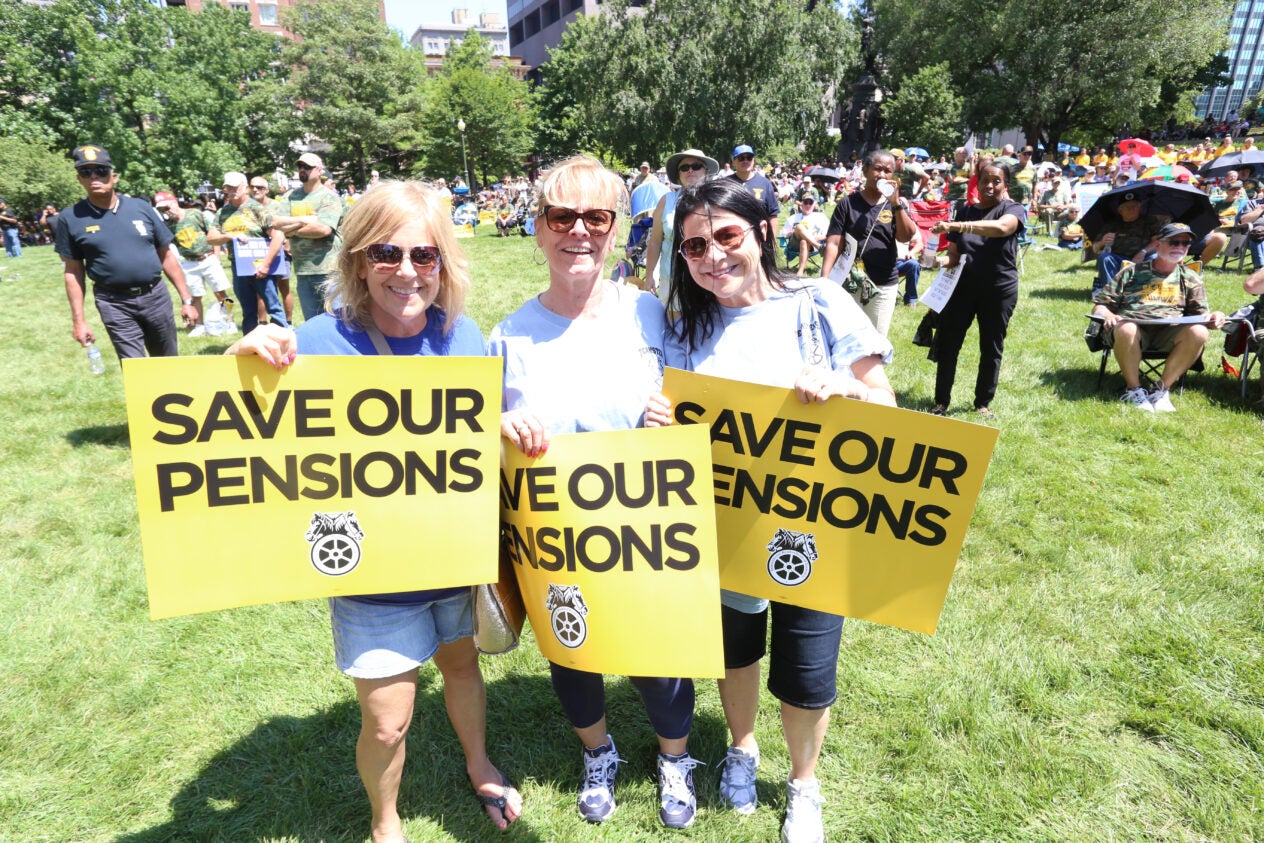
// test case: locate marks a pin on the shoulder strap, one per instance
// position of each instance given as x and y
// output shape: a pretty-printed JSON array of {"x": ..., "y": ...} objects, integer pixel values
[{"x": 379, "y": 341}]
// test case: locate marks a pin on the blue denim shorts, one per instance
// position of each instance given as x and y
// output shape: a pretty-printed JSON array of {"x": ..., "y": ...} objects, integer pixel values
[
  {"x": 803, "y": 669},
  {"x": 377, "y": 640}
]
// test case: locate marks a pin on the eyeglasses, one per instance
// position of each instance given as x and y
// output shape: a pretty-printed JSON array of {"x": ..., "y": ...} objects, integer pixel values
[
  {"x": 258, "y": 187},
  {"x": 687, "y": 168},
  {"x": 423, "y": 258},
  {"x": 727, "y": 238},
  {"x": 99, "y": 172},
  {"x": 562, "y": 220},
  {"x": 1180, "y": 244},
  {"x": 745, "y": 156}
]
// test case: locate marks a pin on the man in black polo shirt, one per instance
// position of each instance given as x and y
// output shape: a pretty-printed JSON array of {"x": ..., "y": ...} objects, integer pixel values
[{"x": 124, "y": 246}]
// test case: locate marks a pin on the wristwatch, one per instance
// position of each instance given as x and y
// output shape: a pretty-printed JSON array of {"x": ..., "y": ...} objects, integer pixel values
[{"x": 186, "y": 302}]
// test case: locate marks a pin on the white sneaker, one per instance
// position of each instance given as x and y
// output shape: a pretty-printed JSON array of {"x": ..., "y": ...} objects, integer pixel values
[
  {"x": 1160, "y": 400},
  {"x": 197, "y": 331},
  {"x": 803, "y": 813},
  {"x": 596, "y": 794},
  {"x": 1138, "y": 398},
  {"x": 677, "y": 802},
  {"x": 737, "y": 780}
]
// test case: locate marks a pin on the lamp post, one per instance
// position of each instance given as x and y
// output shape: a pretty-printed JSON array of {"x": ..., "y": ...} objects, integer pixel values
[{"x": 465, "y": 164}]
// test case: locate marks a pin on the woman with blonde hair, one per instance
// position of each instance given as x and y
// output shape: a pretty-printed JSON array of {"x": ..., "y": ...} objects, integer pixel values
[
  {"x": 400, "y": 289},
  {"x": 585, "y": 355}
]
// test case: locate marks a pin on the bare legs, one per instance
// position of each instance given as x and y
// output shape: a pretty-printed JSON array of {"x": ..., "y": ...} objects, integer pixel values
[
  {"x": 804, "y": 728},
  {"x": 386, "y": 708}
]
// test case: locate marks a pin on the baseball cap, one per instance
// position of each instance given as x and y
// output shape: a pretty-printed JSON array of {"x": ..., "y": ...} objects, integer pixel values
[
  {"x": 311, "y": 159},
  {"x": 1174, "y": 229},
  {"x": 164, "y": 198},
  {"x": 645, "y": 165},
  {"x": 743, "y": 149},
  {"x": 234, "y": 179},
  {"x": 808, "y": 197},
  {"x": 90, "y": 154},
  {"x": 1233, "y": 185}
]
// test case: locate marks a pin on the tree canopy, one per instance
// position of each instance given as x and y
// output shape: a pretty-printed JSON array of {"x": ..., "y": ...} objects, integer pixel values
[
  {"x": 693, "y": 73},
  {"x": 1049, "y": 66},
  {"x": 161, "y": 89},
  {"x": 499, "y": 112}
]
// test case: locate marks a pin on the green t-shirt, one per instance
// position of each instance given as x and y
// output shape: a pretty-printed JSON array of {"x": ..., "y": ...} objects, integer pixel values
[
  {"x": 313, "y": 256},
  {"x": 190, "y": 235},
  {"x": 251, "y": 219},
  {"x": 1137, "y": 292}
]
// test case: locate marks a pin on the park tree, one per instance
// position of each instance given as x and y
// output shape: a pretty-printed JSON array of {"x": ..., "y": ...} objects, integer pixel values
[
  {"x": 32, "y": 176},
  {"x": 925, "y": 111},
  {"x": 1052, "y": 67},
  {"x": 161, "y": 89},
  {"x": 499, "y": 113},
  {"x": 707, "y": 73},
  {"x": 359, "y": 89}
]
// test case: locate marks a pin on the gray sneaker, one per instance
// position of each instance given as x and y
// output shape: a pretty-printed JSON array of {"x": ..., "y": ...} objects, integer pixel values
[
  {"x": 596, "y": 794},
  {"x": 737, "y": 780},
  {"x": 803, "y": 813},
  {"x": 677, "y": 803},
  {"x": 1138, "y": 398}
]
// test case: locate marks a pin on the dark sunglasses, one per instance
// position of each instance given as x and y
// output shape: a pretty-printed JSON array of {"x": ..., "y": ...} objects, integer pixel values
[
  {"x": 727, "y": 238},
  {"x": 1181, "y": 244},
  {"x": 423, "y": 258},
  {"x": 99, "y": 172},
  {"x": 691, "y": 167},
  {"x": 258, "y": 187},
  {"x": 562, "y": 220},
  {"x": 745, "y": 156}
]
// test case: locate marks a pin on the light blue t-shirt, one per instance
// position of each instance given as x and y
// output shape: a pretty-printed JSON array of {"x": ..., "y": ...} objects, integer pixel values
[
  {"x": 326, "y": 334},
  {"x": 770, "y": 342},
  {"x": 584, "y": 374}
]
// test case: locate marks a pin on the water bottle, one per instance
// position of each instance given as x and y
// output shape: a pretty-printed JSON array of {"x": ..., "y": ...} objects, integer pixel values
[{"x": 95, "y": 363}]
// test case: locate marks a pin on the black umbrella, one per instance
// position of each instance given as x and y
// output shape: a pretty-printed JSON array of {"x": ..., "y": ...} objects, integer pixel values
[
  {"x": 823, "y": 173},
  {"x": 1175, "y": 200},
  {"x": 1232, "y": 161}
]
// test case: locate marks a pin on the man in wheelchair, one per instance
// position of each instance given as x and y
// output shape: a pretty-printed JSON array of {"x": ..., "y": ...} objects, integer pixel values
[{"x": 1161, "y": 289}]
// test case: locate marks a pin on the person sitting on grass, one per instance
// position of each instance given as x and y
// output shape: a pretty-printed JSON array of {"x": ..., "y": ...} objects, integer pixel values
[{"x": 1162, "y": 288}]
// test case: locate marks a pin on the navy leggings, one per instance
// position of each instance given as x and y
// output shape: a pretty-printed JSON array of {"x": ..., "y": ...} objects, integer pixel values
[{"x": 668, "y": 702}]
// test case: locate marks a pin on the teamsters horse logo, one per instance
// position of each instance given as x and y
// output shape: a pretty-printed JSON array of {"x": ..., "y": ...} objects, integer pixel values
[
  {"x": 791, "y": 556},
  {"x": 335, "y": 539},
  {"x": 566, "y": 607}
]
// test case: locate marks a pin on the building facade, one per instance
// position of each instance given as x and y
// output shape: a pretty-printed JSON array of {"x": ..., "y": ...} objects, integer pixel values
[
  {"x": 536, "y": 25},
  {"x": 434, "y": 40},
  {"x": 1246, "y": 63},
  {"x": 265, "y": 15}
]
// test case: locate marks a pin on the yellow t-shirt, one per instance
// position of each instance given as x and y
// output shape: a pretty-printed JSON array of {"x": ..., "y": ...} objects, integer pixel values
[
  {"x": 1168, "y": 157},
  {"x": 1083, "y": 159}
]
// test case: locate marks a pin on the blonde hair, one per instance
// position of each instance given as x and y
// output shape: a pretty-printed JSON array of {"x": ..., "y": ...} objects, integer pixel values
[
  {"x": 373, "y": 219},
  {"x": 582, "y": 176}
]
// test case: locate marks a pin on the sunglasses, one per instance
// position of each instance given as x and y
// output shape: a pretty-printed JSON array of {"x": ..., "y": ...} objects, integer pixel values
[
  {"x": 423, "y": 258},
  {"x": 745, "y": 156},
  {"x": 688, "y": 168},
  {"x": 258, "y": 187},
  {"x": 727, "y": 238},
  {"x": 562, "y": 220},
  {"x": 99, "y": 172},
  {"x": 1180, "y": 244}
]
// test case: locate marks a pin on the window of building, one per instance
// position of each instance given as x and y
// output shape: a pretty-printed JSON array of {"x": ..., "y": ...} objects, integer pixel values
[
  {"x": 239, "y": 7},
  {"x": 268, "y": 14},
  {"x": 552, "y": 12}
]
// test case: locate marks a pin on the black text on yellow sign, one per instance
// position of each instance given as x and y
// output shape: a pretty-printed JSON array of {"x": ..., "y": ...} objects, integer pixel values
[
  {"x": 846, "y": 507},
  {"x": 613, "y": 540},
  {"x": 338, "y": 476}
]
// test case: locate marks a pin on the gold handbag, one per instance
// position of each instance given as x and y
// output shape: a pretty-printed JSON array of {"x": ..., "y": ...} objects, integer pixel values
[{"x": 499, "y": 612}]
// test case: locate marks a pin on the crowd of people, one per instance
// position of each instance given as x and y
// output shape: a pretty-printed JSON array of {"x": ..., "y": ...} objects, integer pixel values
[{"x": 383, "y": 273}]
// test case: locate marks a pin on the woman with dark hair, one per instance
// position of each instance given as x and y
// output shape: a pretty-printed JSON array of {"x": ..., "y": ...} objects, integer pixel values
[
  {"x": 400, "y": 289},
  {"x": 741, "y": 317},
  {"x": 585, "y": 355},
  {"x": 876, "y": 219},
  {"x": 985, "y": 235}
]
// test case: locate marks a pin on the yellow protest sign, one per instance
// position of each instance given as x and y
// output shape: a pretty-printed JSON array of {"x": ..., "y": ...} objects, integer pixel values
[
  {"x": 613, "y": 540},
  {"x": 338, "y": 476},
  {"x": 843, "y": 507}
]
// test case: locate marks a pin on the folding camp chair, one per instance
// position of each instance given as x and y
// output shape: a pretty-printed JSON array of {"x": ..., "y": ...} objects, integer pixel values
[
  {"x": 1152, "y": 361},
  {"x": 790, "y": 248},
  {"x": 1236, "y": 250},
  {"x": 1244, "y": 337}
]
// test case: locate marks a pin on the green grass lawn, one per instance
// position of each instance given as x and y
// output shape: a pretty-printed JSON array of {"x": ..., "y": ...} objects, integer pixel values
[{"x": 1098, "y": 673}]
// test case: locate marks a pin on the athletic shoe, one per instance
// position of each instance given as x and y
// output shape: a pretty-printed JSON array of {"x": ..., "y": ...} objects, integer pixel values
[
  {"x": 197, "y": 331},
  {"x": 1160, "y": 400},
  {"x": 676, "y": 800},
  {"x": 596, "y": 794},
  {"x": 1138, "y": 398},
  {"x": 737, "y": 779},
  {"x": 803, "y": 813}
]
